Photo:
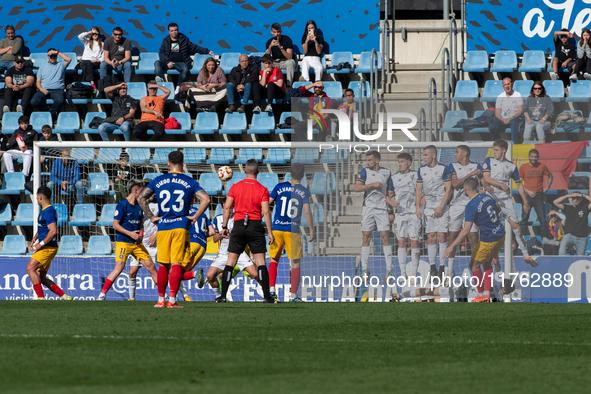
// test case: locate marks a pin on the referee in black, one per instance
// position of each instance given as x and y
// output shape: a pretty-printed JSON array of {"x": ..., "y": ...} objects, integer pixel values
[{"x": 250, "y": 200}]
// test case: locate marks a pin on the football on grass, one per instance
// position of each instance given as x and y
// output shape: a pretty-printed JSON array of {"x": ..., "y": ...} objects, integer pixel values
[{"x": 225, "y": 173}]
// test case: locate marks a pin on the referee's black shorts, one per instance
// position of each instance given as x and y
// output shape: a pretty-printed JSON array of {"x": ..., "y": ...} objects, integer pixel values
[{"x": 252, "y": 235}]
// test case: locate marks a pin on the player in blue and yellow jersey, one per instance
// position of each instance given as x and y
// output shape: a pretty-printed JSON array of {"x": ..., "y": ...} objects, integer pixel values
[
  {"x": 45, "y": 250},
  {"x": 174, "y": 193},
  {"x": 199, "y": 232},
  {"x": 292, "y": 199},
  {"x": 128, "y": 224},
  {"x": 483, "y": 211}
]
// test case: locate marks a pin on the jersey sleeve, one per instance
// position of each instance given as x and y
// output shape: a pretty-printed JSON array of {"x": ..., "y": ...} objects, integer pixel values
[
  {"x": 196, "y": 188},
  {"x": 419, "y": 177},
  {"x": 217, "y": 222},
  {"x": 390, "y": 184},
  {"x": 515, "y": 175},
  {"x": 50, "y": 216},
  {"x": 470, "y": 214},
  {"x": 265, "y": 195},
  {"x": 451, "y": 169},
  {"x": 362, "y": 176},
  {"x": 307, "y": 195},
  {"x": 231, "y": 191},
  {"x": 446, "y": 174},
  {"x": 119, "y": 211},
  {"x": 486, "y": 165},
  {"x": 208, "y": 221}
]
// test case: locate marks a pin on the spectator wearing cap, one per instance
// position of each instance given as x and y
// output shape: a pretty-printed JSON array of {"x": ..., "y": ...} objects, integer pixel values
[
  {"x": 576, "y": 222},
  {"x": 20, "y": 84},
  {"x": 553, "y": 232},
  {"x": 532, "y": 174},
  {"x": 51, "y": 79},
  {"x": 65, "y": 177},
  {"x": 152, "y": 107},
  {"x": 10, "y": 47},
  {"x": 122, "y": 114},
  {"x": 280, "y": 47}
]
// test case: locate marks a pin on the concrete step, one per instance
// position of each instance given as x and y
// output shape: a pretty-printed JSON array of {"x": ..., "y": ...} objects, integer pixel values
[
  {"x": 346, "y": 242},
  {"x": 353, "y": 210},
  {"x": 346, "y": 219}
]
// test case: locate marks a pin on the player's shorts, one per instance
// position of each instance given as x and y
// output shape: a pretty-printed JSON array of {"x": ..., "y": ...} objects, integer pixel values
[
  {"x": 44, "y": 257},
  {"x": 407, "y": 226},
  {"x": 292, "y": 243},
  {"x": 456, "y": 219},
  {"x": 197, "y": 253},
  {"x": 374, "y": 219},
  {"x": 508, "y": 209},
  {"x": 133, "y": 262},
  {"x": 252, "y": 235},
  {"x": 123, "y": 250},
  {"x": 173, "y": 246},
  {"x": 436, "y": 224},
  {"x": 221, "y": 259},
  {"x": 488, "y": 250}
]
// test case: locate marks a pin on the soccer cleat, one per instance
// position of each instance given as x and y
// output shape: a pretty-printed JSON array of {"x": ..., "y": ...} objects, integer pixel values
[
  {"x": 477, "y": 299},
  {"x": 173, "y": 305},
  {"x": 297, "y": 299},
  {"x": 531, "y": 262},
  {"x": 269, "y": 301},
  {"x": 187, "y": 298},
  {"x": 160, "y": 304},
  {"x": 101, "y": 297},
  {"x": 497, "y": 265},
  {"x": 482, "y": 299},
  {"x": 200, "y": 278},
  {"x": 274, "y": 295},
  {"x": 220, "y": 300},
  {"x": 131, "y": 299},
  {"x": 66, "y": 297}
]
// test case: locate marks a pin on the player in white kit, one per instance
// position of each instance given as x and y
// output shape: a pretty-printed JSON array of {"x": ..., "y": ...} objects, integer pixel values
[
  {"x": 375, "y": 182},
  {"x": 406, "y": 222},
  {"x": 462, "y": 169},
  {"x": 434, "y": 180},
  {"x": 497, "y": 175}
]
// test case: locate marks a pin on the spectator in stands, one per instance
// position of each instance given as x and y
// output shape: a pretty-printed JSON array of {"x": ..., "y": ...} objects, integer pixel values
[
  {"x": 51, "y": 79},
  {"x": 240, "y": 83},
  {"x": 21, "y": 144},
  {"x": 318, "y": 100},
  {"x": 20, "y": 84},
  {"x": 93, "y": 54},
  {"x": 122, "y": 114},
  {"x": 349, "y": 106},
  {"x": 47, "y": 135},
  {"x": 211, "y": 86},
  {"x": 117, "y": 55},
  {"x": 175, "y": 53},
  {"x": 538, "y": 113},
  {"x": 65, "y": 177},
  {"x": 10, "y": 47},
  {"x": 270, "y": 85},
  {"x": 565, "y": 53},
  {"x": 583, "y": 56},
  {"x": 312, "y": 44},
  {"x": 122, "y": 174},
  {"x": 508, "y": 111},
  {"x": 532, "y": 174},
  {"x": 576, "y": 218},
  {"x": 552, "y": 233},
  {"x": 280, "y": 47},
  {"x": 152, "y": 108}
]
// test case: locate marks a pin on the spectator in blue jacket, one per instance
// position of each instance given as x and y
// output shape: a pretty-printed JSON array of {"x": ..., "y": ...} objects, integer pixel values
[
  {"x": 175, "y": 53},
  {"x": 65, "y": 177}
]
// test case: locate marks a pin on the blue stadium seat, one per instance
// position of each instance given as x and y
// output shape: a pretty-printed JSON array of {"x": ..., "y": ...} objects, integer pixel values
[
  {"x": 198, "y": 61},
  {"x": 366, "y": 92},
  {"x": 83, "y": 215},
  {"x": 269, "y": 180},
  {"x": 588, "y": 248},
  {"x": 62, "y": 213},
  {"x": 67, "y": 123},
  {"x": 80, "y": 100},
  {"x": 364, "y": 63},
  {"x": 184, "y": 118},
  {"x": 83, "y": 155},
  {"x": 304, "y": 180},
  {"x": 330, "y": 156},
  {"x": 10, "y": 122},
  {"x": 333, "y": 89},
  {"x": 137, "y": 90},
  {"x": 145, "y": 64},
  {"x": 151, "y": 175},
  {"x": 238, "y": 176},
  {"x": 480, "y": 129},
  {"x": 523, "y": 87},
  {"x": 554, "y": 89},
  {"x": 504, "y": 62},
  {"x": 317, "y": 215},
  {"x": 579, "y": 173},
  {"x": 492, "y": 89},
  {"x": 318, "y": 183},
  {"x": 139, "y": 155},
  {"x": 229, "y": 60},
  {"x": 72, "y": 66},
  {"x": 245, "y": 154},
  {"x": 262, "y": 123},
  {"x": 14, "y": 183},
  {"x": 194, "y": 155},
  {"x": 5, "y": 214},
  {"x": 234, "y": 123},
  {"x": 88, "y": 118},
  {"x": 559, "y": 129},
  {"x": 24, "y": 215},
  {"x": 306, "y": 156},
  {"x": 451, "y": 119},
  {"x": 99, "y": 245},
  {"x": 533, "y": 62},
  {"x": 219, "y": 210},
  {"x": 476, "y": 62},
  {"x": 466, "y": 92},
  {"x": 169, "y": 86},
  {"x": 221, "y": 156},
  {"x": 38, "y": 60},
  {"x": 580, "y": 92},
  {"x": 70, "y": 245},
  {"x": 39, "y": 119},
  {"x": 206, "y": 123},
  {"x": 284, "y": 116},
  {"x": 107, "y": 214},
  {"x": 277, "y": 156},
  {"x": 97, "y": 184},
  {"x": 210, "y": 182},
  {"x": 161, "y": 155},
  {"x": 108, "y": 155},
  {"x": 298, "y": 84},
  {"x": 586, "y": 153},
  {"x": 14, "y": 245},
  {"x": 341, "y": 57}
]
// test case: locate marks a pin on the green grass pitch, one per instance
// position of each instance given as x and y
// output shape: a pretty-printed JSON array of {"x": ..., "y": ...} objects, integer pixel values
[{"x": 130, "y": 347}]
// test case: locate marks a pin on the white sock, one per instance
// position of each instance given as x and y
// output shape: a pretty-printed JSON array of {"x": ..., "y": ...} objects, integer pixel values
[
  {"x": 64, "y": 297},
  {"x": 442, "y": 247},
  {"x": 182, "y": 289},
  {"x": 217, "y": 292},
  {"x": 272, "y": 288},
  {"x": 402, "y": 260},
  {"x": 364, "y": 257},
  {"x": 172, "y": 300},
  {"x": 414, "y": 261},
  {"x": 432, "y": 252},
  {"x": 293, "y": 296},
  {"x": 450, "y": 262},
  {"x": 131, "y": 287},
  {"x": 160, "y": 299},
  {"x": 388, "y": 255},
  {"x": 521, "y": 242}
]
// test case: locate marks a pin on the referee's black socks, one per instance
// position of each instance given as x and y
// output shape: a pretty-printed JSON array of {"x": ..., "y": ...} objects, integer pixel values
[
  {"x": 227, "y": 278},
  {"x": 264, "y": 277}
]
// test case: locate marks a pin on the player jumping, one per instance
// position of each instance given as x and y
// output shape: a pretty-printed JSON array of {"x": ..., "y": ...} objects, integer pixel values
[
  {"x": 199, "y": 232},
  {"x": 291, "y": 198},
  {"x": 45, "y": 250}
]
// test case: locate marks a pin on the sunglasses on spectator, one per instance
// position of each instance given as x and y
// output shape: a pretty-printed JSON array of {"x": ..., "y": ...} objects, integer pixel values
[
  {"x": 117, "y": 35},
  {"x": 535, "y": 88}
]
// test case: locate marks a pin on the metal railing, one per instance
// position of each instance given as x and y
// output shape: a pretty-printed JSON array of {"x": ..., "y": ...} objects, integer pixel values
[
  {"x": 422, "y": 122},
  {"x": 433, "y": 100},
  {"x": 453, "y": 45},
  {"x": 373, "y": 79},
  {"x": 446, "y": 81}
]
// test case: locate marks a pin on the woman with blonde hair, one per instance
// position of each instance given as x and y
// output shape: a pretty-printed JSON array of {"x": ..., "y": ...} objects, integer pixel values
[{"x": 93, "y": 54}]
